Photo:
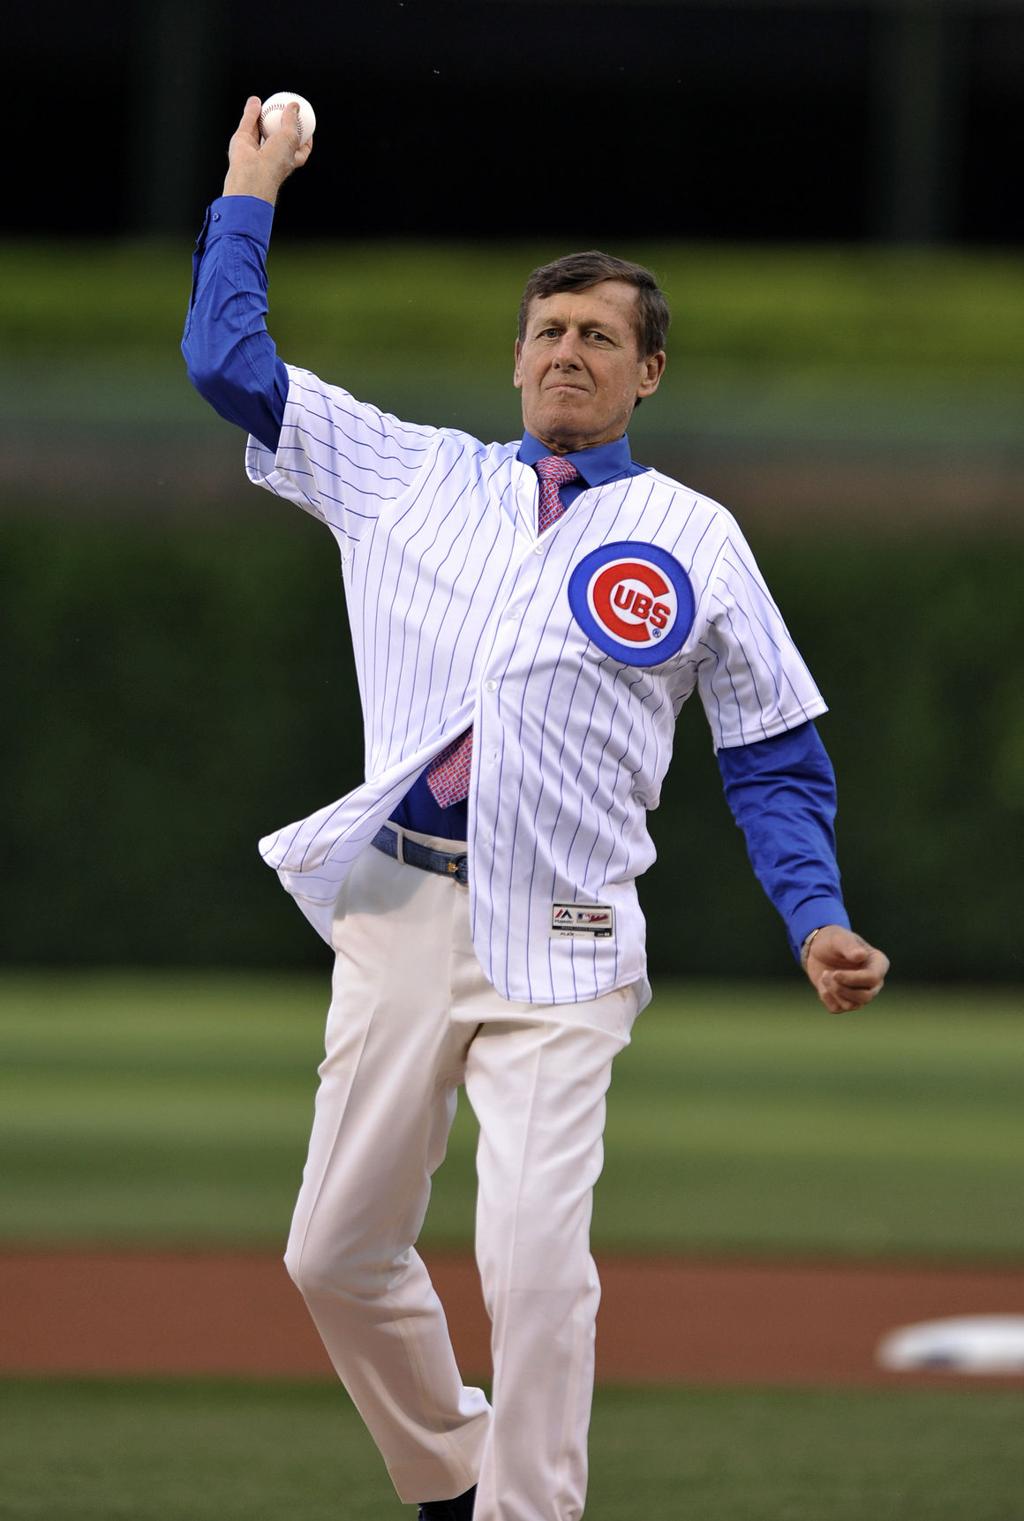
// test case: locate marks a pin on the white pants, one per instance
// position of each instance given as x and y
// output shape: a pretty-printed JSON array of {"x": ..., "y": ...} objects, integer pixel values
[{"x": 413, "y": 1017}]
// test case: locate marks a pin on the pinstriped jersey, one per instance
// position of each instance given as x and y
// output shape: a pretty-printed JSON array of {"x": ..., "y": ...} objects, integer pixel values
[{"x": 570, "y": 653}]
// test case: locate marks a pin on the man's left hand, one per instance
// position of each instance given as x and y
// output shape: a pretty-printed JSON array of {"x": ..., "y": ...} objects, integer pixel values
[{"x": 845, "y": 971}]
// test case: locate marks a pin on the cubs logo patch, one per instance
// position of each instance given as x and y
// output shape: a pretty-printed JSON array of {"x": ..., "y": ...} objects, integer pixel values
[{"x": 634, "y": 601}]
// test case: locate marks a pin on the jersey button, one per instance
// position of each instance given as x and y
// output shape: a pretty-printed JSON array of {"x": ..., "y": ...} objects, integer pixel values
[{"x": 492, "y": 686}]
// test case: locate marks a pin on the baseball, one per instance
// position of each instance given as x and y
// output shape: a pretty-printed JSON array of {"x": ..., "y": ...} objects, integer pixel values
[{"x": 270, "y": 116}]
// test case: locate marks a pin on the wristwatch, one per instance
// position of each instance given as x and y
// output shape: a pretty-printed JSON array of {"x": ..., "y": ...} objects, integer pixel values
[{"x": 805, "y": 948}]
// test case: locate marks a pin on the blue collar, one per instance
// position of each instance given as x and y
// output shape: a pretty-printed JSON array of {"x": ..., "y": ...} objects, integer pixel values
[{"x": 604, "y": 462}]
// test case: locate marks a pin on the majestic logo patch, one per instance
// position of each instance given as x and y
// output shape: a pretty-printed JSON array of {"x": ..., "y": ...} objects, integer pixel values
[
  {"x": 594, "y": 919},
  {"x": 634, "y": 601}
]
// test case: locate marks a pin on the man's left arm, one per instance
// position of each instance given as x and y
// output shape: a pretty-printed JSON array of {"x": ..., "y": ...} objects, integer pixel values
[{"x": 782, "y": 794}]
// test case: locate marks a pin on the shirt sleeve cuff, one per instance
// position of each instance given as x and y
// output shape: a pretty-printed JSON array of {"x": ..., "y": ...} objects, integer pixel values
[
  {"x": 245, "y": 214},
  {"x": 812, "y": 915}
]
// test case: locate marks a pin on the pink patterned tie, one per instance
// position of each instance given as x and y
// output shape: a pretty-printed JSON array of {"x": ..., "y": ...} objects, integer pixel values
[
  {"x": 554, "y": 472},
  {"x": 448, "y": 773}
]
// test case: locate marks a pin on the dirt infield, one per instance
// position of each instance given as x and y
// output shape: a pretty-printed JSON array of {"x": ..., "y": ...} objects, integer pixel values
[{"x": 662, "y": 1320}]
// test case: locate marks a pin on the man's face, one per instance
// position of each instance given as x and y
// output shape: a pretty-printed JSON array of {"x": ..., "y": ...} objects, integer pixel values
[{"x": 579, "y": 368}]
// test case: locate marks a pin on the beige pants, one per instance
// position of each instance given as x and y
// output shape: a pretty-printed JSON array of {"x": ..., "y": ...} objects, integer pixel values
[{"x": 412, "y": 1018}]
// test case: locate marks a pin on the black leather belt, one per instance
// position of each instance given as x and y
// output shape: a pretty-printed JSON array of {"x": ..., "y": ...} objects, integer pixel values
[{"x": 445, "y": 863}]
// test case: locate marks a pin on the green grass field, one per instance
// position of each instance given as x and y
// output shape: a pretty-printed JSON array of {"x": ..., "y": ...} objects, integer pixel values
[
  {"x": 175, "y": 1109},
  {"x": 213, "y": 1451},
  {"x": 148, "y": 1108}
]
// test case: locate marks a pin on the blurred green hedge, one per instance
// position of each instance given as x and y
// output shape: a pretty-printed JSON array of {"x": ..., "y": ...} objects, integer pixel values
[
  {"x": 906, "y": 348},
  {"x": 176, "y": 687},
  {"x": 830, "y": 306}
]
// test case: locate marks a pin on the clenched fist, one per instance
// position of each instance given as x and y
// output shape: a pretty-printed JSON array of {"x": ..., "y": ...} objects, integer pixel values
[{"x": 846, "y": 972}]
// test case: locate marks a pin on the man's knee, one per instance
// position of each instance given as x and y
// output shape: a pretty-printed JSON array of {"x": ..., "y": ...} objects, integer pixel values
[
  {"x": 518, "y": 1274},
  {"x": 336, "y": 1265}
]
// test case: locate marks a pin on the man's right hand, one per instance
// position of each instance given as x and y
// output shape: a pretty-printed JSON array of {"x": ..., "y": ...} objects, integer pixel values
[{"x": 258, "y": 167}]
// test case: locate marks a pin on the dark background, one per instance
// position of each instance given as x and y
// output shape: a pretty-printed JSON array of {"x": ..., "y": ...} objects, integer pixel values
[{"x": 893, "y": 120}]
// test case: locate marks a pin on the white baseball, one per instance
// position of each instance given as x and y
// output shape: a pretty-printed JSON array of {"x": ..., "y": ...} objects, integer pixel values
[{"x": 270, "y": 116}]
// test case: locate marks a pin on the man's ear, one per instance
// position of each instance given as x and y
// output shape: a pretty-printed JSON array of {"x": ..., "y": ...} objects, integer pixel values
[
  {"x": 517, "y": 374},
  {"x": 651, "y": 370}
]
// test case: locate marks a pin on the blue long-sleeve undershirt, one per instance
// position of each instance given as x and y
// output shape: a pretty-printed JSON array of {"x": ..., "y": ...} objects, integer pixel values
[
  {"x": 782, "y": 793},
  {"x": 781, "y": 790},
  {"x": 230, "y": 357}
]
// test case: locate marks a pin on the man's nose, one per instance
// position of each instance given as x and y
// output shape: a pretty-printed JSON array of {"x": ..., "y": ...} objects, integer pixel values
[{"x": 565, "y": 351}]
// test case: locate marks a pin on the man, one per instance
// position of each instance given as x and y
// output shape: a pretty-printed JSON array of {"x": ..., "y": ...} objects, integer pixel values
[{"x": 527, "y": 620}]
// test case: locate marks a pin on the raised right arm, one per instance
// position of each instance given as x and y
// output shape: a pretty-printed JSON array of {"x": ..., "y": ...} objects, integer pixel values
[
  {"x": 311, "y": 443},
  {"x": 230, "y": 357}
]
